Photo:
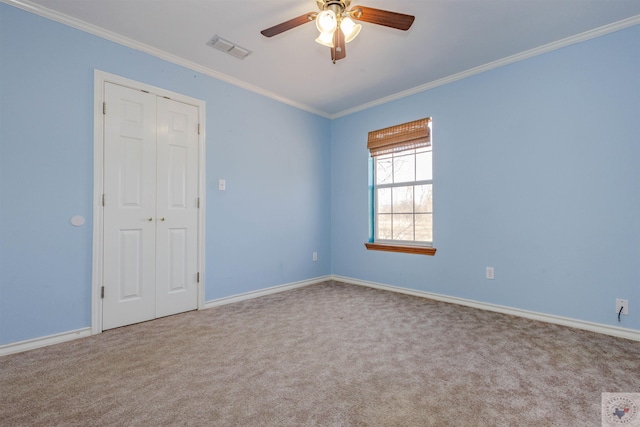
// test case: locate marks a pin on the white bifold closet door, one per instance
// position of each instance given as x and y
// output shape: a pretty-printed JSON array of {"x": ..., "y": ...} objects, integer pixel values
[{"x": 150, "y": 209}]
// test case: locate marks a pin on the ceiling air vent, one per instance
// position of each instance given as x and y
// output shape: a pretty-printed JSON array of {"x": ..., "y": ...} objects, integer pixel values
[{"x": 228, "y": 47}]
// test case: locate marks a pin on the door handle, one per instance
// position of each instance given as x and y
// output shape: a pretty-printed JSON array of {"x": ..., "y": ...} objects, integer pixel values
[
  {"x": 149, "y": 219},
  {"x": 161, "y": 219}
]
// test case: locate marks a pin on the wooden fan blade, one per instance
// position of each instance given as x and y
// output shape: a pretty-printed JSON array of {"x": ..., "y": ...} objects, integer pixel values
[
  {"x": 338, "y": 51},
  {"x": 287, "y": 25},
  {"x": 396, "y": 20}
]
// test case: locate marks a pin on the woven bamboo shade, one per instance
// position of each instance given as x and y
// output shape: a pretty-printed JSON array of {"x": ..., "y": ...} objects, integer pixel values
[{"x": 411, "y": 135}]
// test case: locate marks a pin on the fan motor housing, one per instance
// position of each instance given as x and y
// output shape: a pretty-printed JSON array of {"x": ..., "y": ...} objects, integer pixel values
[{"x": 337, "y": 6}]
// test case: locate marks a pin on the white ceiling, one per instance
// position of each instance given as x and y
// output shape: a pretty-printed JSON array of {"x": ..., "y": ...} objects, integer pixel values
[{"x": 448, "y": 38}]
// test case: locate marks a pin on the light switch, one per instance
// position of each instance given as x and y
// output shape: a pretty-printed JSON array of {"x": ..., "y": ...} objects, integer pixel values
[
  {"x": 490, "y": 273},
  {"x": 222, "y": 185}
]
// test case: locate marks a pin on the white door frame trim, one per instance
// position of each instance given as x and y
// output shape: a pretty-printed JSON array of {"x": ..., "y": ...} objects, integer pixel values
[{"x": 100, "y": 77}]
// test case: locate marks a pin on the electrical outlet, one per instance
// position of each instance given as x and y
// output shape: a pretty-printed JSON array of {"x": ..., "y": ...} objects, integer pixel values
[
  {"x": 624, "y": 304},
  {"x": 315, "y": 256},
  {"x": 490, "y": 274}
]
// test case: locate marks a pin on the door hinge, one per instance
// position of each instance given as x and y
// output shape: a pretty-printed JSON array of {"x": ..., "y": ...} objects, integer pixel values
[
  {"x": 198, "y": 128},
  {"x": 102, "y": 199},
  {"x": 104, "y": 108},
  {"x": 198, "y": 202},
  {"x": 198, "y": 277},
  {"x": 102, "y": 292}
]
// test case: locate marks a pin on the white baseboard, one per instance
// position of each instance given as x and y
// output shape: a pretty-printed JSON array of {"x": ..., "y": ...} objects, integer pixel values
[
  {"x": 615, "y": 331},
  {"x": 262, "y": 292},
  {"x": 34, "y": 343},
  {"x": 630, "y": 334}
]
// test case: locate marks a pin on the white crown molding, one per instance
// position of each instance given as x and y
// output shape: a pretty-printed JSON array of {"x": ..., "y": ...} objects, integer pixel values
[
  {"x": 578, "y": 38},
  {"x": 101, "y": 32},
  {"x": 627, "y": 333},
  {"x": 125, "y": 41}
]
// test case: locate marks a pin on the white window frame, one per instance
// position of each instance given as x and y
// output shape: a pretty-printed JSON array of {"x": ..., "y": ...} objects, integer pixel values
[{"x": 392, "y": 185}]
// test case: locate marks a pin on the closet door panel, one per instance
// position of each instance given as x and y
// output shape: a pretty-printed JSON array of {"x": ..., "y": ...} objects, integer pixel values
[
  {"x": 177, "y": 207},
  {"x": 129, "y": 276}
]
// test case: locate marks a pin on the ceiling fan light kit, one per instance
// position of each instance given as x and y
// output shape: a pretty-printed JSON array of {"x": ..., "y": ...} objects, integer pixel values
[
  {"x": 325, "y": 39},
  {"x": 350, "y": 29},
  {"x": 326, "y": 21},
  {"x": 335, "y": 21}
]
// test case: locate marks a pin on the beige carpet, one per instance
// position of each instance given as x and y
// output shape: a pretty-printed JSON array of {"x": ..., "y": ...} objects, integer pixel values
[{"x": 326, "y": 355}]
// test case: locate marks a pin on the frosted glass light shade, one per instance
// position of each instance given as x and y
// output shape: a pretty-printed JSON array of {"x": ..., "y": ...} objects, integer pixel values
[
  {"x": 350, "y": 29},
  {"x": 325, "y": 39},
  {"x": 326, "y": 21}
]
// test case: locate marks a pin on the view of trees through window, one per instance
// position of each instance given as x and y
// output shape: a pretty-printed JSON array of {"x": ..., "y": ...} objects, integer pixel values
[{"x": 403, "y": 196}]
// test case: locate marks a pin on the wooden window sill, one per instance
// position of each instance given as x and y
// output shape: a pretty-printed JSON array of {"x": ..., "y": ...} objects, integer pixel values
[{"x": 420, "y": 250}]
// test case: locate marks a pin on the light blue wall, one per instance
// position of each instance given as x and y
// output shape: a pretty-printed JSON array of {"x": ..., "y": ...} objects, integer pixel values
[
  {"x": 261, "y": 232},
  {"x": 536, "y": 173}
]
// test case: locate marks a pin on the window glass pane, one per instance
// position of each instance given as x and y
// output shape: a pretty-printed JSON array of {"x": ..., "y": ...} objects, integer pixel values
[
  {"x": 384, "y": 171},
  {"x": 423, "y": 166},
  {"x": 383, "y": 226},
  {"x": 424, "y": 227},
  {"x": 383, "y": 200},
  {"x": 404, "y": 168},
  {"x": 403, "y": 199},
  {"x": 403, "y": 226},
  {"x": 423, "y": 198}
]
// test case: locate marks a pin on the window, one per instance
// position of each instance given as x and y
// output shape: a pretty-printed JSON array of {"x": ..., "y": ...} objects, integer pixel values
[{"x": 402, "y": 188}]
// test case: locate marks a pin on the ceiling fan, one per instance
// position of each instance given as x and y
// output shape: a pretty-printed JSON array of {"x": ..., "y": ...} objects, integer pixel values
[{"x": 336, "y": 25}]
